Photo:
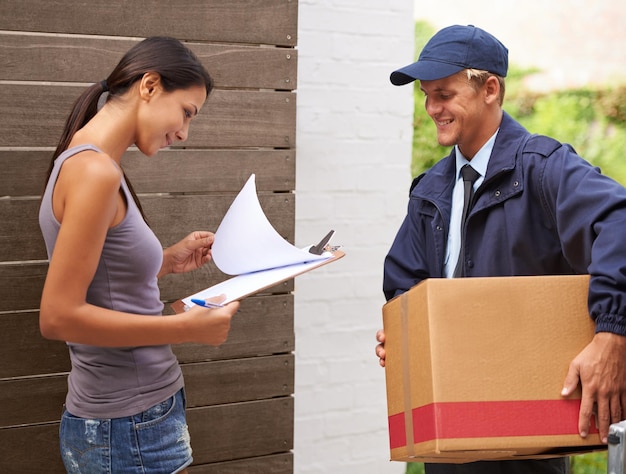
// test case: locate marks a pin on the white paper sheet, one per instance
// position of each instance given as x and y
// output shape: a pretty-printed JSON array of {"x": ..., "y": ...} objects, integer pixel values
[
  {"x": 246, "y": 242},
  {"x": 246, "y": 245}
]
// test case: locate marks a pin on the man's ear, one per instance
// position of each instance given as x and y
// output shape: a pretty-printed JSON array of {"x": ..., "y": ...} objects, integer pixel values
[
  {"x": 149, "y": 84},
  {"x": 492, "y": 89}
]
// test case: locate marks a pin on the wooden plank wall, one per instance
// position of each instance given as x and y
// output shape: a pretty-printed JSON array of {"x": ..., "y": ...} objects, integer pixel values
[{"x": 240, "y": 394}]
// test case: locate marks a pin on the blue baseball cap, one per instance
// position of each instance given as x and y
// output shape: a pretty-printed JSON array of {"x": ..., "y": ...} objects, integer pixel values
[{"x": 454, "y": 49}]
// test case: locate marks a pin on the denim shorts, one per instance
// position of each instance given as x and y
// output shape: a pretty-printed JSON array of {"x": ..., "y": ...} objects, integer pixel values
[{"x": 155, "y": 441}]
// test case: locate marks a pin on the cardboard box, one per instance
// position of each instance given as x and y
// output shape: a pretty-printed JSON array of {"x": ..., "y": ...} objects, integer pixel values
[{"x": 475, "y": 367}]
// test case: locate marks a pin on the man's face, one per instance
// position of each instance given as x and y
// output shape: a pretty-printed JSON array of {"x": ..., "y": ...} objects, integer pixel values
[{"x": 457, "y": 109}]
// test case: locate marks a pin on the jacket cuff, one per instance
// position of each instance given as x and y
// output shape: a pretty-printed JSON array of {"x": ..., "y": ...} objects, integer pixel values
[{"x": 613, "y": 323}]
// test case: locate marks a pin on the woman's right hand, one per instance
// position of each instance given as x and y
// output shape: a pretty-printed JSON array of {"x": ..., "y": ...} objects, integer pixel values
[{"x": 211, "y": 325}]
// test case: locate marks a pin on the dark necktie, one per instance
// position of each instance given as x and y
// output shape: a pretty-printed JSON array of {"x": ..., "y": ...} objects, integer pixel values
[{"x": 470, "y": 175}]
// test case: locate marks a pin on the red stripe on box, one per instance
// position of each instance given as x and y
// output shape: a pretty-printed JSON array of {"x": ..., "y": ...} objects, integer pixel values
[
  {"x": 487, "y": 420},
  {"x": 397, "y": 431}
]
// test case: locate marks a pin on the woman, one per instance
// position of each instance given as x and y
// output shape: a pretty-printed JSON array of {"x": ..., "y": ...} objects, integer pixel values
[{"x": 125, "y": 407}]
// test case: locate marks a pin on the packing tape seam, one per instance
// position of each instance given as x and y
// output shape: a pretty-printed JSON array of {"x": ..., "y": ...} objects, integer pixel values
[{"x": 406, "y": 374}]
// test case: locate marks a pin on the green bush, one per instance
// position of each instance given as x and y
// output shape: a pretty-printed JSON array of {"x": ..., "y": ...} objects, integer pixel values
[
  {"x": 414, "y": 468},
  {"x": 592, "y": 120},
  {"x": 594, "y": 463}
]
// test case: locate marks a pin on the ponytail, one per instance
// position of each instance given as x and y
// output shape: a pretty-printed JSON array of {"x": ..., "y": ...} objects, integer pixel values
[{"x": 82, "y": 112}]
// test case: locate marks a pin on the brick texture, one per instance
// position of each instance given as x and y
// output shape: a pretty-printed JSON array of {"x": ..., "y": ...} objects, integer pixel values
[{"x": 352, "y": 175}]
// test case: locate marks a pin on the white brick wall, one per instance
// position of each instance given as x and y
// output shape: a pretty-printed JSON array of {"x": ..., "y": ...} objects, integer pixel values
[{"x": 353, "y": 175}]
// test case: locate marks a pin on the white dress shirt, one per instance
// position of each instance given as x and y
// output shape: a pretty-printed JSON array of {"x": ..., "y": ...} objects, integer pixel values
[{"x": 479, "y": 163}]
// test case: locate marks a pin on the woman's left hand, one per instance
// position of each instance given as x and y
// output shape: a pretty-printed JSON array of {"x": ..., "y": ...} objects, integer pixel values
[{"x": 189, "y": 254}]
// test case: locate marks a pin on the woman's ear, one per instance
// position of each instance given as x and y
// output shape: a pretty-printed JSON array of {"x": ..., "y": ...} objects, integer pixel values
[{"x": 149, "y": 84}]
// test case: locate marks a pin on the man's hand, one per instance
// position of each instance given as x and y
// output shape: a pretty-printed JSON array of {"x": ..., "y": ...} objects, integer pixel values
[
  {"x": 380, "y": 348},
  {"x": 601, "y": 369}
]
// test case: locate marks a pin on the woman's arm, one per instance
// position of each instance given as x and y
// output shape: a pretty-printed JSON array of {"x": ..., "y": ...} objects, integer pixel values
[{"x": 87, "y": 202}]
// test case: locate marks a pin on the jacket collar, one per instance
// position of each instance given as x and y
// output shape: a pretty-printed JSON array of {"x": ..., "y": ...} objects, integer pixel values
[
  {"x": 508, "y": 141},
  {"x": 437, "y": 183}
]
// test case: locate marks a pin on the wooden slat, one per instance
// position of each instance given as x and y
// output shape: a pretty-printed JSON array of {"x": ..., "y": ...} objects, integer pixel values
[
  {"x": 21, "y": 285},
  {"x": 23, "y": 172},
  {"x": 243, "y": 21},
  {"x": 32, "y": 115},
  {"x": 229, "y": 381},
  {"x": 20, "y": 237},
  {"x": 263, "y": 326},
  {"x": 170, "y": 171},
  {"x": 34, "y": 400},
  {"x": 90, "y": 59},
  {"x": 227, "y": 432},
  {"x": 218, "y": 433},
  {"x": 43, "y": 440},
  {"x": 31, "y": 450},
  {"x": 24, "y": 352},
  {"x": 31, "y": 400},
  {"x": 274, "y": 464},
  {"x": 202, "y": 171},
  {"x": 171, "y": 217}
]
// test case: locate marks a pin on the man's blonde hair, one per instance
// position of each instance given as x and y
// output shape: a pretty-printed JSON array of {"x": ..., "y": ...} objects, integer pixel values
[{"x": 478, "y": 78}]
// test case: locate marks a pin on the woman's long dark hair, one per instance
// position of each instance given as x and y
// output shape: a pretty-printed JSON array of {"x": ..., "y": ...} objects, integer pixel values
[{"x": 177, "y": 65}]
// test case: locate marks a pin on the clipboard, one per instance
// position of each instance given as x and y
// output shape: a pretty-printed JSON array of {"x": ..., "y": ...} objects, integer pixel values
[
  {"x": 241, "y": 286},
  {"x": 247, "y": 247}
]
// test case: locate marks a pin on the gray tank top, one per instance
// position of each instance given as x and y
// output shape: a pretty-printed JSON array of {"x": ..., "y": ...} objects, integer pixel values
[{"x": 114, "y": 382}]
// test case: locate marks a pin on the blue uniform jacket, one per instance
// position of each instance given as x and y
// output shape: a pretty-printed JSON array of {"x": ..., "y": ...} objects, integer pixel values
[{"x": 541, "y": 210}]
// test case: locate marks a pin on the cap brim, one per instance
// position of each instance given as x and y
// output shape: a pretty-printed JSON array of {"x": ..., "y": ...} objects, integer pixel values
[{"x": 423, "y": 70}]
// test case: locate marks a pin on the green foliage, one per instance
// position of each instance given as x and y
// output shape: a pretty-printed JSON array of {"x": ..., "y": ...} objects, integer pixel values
[
  {"x": 426, "y": 150},
  {"x": 592, "y": 120},
  {"x": 414, "y": 468},
  {"x": 593, "y": 463},
  {"x": 423, "y": 32}
]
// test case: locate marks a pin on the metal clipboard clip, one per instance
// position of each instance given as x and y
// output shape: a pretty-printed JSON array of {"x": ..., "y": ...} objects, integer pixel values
[{"x": 321, "y": 247}]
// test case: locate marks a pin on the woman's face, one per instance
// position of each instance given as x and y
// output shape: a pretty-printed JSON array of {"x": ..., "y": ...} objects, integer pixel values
[{"x": 164, "y": 117}]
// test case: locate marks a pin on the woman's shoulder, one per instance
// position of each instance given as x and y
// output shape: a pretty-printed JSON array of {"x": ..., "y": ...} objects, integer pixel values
[
  {"x": 90, "y": 169},
  {"x": 89, "y": 162}
]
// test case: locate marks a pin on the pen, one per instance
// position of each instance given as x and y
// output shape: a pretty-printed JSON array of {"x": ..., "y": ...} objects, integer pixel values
[{"x": 206, "y": 304}]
